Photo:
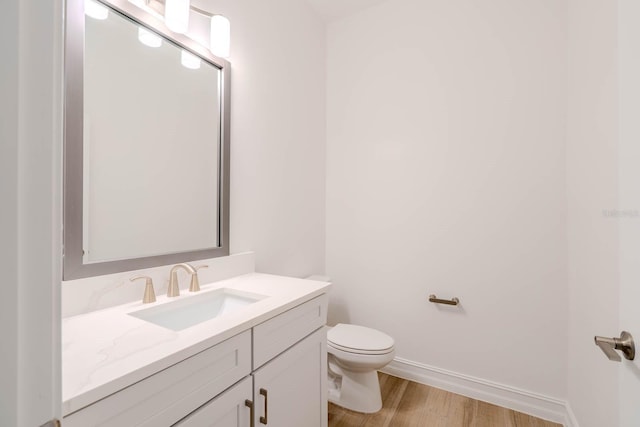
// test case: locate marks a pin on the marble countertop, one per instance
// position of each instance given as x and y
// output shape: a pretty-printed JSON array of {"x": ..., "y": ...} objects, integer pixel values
[{"x": 107, "y": 350}]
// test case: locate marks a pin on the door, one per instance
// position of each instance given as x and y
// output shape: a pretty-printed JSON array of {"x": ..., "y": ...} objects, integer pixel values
[
  {"x": 629, "y": 202},
  {"x": 30, "y": 211},
  {"x": 290, "y": 390}
]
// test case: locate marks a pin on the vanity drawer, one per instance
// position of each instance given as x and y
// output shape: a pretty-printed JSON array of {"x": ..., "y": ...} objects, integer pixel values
[
  {"x": 228, "y": 409},
  {"x": 164, "y": 398},
  {"x": 274, "y": 336}
]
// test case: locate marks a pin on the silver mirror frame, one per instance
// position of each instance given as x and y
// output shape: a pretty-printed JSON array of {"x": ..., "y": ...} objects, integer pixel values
[{"x": 73, "y": 266}]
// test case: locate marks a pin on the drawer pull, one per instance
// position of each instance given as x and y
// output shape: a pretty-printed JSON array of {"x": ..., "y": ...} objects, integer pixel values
[
  {"x": 249, "y": 404},
  {"x": 436, "y": 300},
  {"x": 264, "y": 420}
]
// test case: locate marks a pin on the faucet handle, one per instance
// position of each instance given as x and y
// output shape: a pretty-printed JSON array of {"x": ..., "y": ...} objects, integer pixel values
[
  {"x": 149, "y": 293},
  {"x": 194, "y": 286}
]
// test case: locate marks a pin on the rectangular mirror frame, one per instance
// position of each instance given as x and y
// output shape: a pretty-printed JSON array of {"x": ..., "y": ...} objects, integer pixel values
[{"x": 73, "y": 266}]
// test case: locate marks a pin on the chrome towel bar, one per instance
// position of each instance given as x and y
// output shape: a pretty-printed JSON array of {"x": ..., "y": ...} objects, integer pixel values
[{"x": 436, "y": 300}]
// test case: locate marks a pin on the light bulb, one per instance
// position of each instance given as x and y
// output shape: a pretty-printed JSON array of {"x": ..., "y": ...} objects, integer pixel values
[
  {"x": 189, "y": 60},
  {"x": 148, "y": 38},
  {"x": 176, "y": 15},
  {"x": 220, "y": 36},
  {"x": 95, "y": 10}
]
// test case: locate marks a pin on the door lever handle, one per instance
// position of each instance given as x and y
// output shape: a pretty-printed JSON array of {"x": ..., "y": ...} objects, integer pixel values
[{"x": 609, "y": 346}]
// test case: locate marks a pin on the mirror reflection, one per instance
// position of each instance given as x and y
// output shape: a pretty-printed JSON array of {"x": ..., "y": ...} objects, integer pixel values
[{"x": 151, "y": 144}]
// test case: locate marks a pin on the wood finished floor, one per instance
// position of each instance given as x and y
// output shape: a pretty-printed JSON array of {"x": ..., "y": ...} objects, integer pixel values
[{"x": 409, "y": 404}]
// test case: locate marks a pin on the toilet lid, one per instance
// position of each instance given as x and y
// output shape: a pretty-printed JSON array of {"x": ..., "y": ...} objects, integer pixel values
[{"x": 358, "y": 339}]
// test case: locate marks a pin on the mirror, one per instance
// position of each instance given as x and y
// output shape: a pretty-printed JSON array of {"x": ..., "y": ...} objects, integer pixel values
[{"x": 146, "y": 144}]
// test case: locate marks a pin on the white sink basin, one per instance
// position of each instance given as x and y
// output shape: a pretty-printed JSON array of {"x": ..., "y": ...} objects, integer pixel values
[{"x": 183, "y": 313}]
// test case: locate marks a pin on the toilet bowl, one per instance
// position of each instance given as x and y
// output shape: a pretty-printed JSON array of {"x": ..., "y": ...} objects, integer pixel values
[{"x": 355, "y": 353}]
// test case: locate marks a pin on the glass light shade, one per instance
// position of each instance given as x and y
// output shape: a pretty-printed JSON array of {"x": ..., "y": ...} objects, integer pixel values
[
  {"x": 220, "y": 36},
  {"x": 189, "y": 60},
  {"x": 148, "y": 38},
  {"x": 95, "y": 10},
  {"x": 176, "y": 15}
]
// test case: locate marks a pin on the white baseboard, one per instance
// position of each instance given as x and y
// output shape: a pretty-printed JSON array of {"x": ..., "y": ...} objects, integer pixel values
[
  {"x": 572, "y": 421},
  {"x": 535, "y": 404}
]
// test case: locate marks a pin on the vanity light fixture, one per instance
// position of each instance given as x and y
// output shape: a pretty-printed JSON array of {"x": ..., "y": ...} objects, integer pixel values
[
  {"x": 220, "y": 36},
  {"x": 148, "y": 38},
  {"x": 189, "y": 60},
  {"x": 95, "y": 10},
  {"x": 176, "y": 15}
]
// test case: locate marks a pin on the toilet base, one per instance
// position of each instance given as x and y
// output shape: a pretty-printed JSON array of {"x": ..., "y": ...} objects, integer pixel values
[{"x": 359, "y": 391}]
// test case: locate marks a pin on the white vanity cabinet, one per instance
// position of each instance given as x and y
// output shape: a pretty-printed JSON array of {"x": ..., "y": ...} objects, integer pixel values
[
  {"x": 289, "y": 378},
  {"x": 290, "y": 390},
  {"x": 278, "y": 367}
]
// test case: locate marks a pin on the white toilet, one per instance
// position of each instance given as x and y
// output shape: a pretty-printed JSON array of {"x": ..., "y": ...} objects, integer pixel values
[{"x": 355, "y": 353}]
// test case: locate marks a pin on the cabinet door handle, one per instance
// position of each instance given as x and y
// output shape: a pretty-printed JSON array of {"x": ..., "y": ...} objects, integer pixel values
[
  {"x": 264, "y": 420},
  {"x": 249, "y": 404}
]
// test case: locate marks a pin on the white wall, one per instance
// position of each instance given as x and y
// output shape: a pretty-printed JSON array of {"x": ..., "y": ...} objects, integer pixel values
[
  {"x": 446, "y": 175},
  {"x": 277, "y": 133},
  {"x": 592, "y": 179},
  {"x": 30, "y": 190}
]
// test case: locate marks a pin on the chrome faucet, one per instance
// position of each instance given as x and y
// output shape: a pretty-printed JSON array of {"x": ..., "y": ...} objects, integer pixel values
[{"x": 174, "y": 289}]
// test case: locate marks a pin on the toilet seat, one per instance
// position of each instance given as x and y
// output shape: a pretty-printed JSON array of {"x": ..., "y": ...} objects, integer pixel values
[
  {"x": 360, "y": 351},
  {"x": 359, "y": 340}
]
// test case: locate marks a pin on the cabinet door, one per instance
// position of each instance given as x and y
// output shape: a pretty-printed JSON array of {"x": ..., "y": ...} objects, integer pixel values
[
  {"x": 226, "y": 410},
  {"x": 291, "y": 390}
]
